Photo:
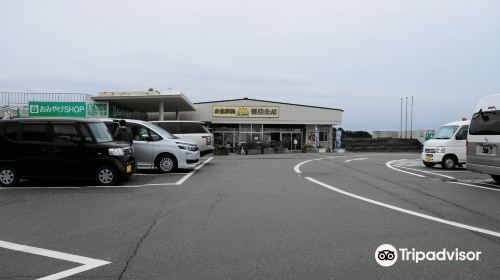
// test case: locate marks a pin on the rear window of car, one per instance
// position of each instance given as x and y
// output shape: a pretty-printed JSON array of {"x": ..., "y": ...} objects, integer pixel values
[
  {"x": 187, "y": 128},
  {"x": 171, "y": 127},
  {"x": 34, "y": 132},
  {"x": 485, "y": 123}
]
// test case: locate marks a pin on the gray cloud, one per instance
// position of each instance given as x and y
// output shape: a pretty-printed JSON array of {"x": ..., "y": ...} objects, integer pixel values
[{"x": 361, "y": 56}]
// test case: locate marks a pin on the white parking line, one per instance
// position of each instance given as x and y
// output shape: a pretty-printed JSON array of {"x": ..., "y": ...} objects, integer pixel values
[
  {"x": 296, "y": 168},
  {"x": 389, "y": 164},
  {"x": 488, "y": 184},
  {"x": 476, "y": 186},
  {"x": 87, "y": 263},
  {"x": 158, "y": 174},
  {"x": 178, "y": 183},
  {"x": 183, "y": 179},
  {"x": 428, "y": 172},
  {"x": 355, "y": 159},
  {"x": 452, "y": 171},
  {"x": 399, "y": 209},
  {"x": 402, "y": 210}
]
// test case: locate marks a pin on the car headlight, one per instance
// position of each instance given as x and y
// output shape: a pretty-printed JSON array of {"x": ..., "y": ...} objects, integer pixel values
[
  {"x": 440, "y": 150},
  {"x": 187, "y": 147},
  {"x": 116, "y": 152}
]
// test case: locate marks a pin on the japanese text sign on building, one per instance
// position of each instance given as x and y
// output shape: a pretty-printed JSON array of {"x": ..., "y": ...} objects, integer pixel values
[
  {"x": 245, "y": 111},
  {"x": 57, "y": 109},
  {"x": 97, "y": 110}
]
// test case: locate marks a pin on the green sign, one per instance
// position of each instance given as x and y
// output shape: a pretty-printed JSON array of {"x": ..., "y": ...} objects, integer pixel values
[
  {"x": 97, "y": 110},
  {"x": 57, "y": 109},
  {"x": 429, "y": 135}
]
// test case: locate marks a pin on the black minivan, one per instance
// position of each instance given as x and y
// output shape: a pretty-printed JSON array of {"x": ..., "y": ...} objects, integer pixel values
[{"x": 62, "y": 148}]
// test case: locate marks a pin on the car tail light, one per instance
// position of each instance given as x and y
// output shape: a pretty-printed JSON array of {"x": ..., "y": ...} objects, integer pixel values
[{"x": 208, "y": 138}]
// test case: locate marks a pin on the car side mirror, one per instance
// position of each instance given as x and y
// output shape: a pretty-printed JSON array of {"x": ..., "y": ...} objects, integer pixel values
[{"x": 460, "y": 136}]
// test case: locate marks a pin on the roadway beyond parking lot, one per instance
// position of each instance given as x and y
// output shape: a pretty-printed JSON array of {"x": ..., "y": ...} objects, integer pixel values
[{"x": 290, "y": 216}]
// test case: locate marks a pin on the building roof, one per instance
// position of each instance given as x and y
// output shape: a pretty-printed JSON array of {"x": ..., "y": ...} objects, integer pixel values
[
  {"x": 274, "y": 102},
  {"x": 147, "y": 101}
]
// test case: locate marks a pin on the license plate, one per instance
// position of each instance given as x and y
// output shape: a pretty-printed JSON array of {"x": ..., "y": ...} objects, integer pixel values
[
  {"x": 487, "y": 150},
  {"x": 129, "y": 168},
  {"x": 428, "y": 159}
]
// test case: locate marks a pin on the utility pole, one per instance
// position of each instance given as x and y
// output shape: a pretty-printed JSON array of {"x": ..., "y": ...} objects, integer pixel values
[
  {"x": 406, "y": 118},
  {"x": 411, "y": 119},
  {"x": 401, "y": 121}
]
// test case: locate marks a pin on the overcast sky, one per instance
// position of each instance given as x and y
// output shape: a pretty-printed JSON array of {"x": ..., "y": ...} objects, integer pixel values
[{"x": 360, "y": 56}]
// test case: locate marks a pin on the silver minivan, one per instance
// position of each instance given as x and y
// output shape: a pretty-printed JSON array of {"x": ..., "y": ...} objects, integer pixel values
[
  {"x": 155, "y": 148},
  {"x": 193, "y": 131},
  {"x": 483, "y": 153}
]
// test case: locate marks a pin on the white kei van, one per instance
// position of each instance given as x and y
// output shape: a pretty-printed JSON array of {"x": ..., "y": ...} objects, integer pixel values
[
  {"x": 448, "y": 147},
  {"x": 483, "y": 147}
]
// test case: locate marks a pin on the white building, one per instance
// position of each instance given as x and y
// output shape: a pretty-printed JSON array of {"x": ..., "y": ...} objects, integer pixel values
[{"x": 248, "y": 120}]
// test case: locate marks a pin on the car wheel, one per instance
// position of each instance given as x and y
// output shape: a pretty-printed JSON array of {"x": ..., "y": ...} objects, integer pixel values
[
  {"x": 8, "y": 176},
  {"x": 496, "y": 178},
  {"x": 166, "y": 164},
  {"x": 429, "y": 164},
  {"x": 106, "y": 176},
  {"x": 448, "y": 162}
]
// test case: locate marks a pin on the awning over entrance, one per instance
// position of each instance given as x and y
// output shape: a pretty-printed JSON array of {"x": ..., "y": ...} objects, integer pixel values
[{"x": 147, "y": 101}]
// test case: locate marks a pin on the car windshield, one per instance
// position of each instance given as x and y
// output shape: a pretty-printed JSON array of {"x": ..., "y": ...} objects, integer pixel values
[
  {"x": 100, "y": 132},
  {"x": 446, "y": 132},
  {"x": 164, "y": 132}
]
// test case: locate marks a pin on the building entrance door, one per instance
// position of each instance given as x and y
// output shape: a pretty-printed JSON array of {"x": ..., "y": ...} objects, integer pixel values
[
  {"x": 287, "y": 139},
  {"x": 225, "y": 139},
  {"x": 229, "y": 140},
  {"x": 298, "y": 137}
]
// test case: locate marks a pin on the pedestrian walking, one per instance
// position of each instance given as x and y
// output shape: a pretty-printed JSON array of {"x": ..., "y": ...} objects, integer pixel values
[{"x": 123, "y": 133}]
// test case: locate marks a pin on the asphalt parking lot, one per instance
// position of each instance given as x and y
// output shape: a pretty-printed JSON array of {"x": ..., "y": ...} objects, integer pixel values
[{"x": 286, "y": 216}]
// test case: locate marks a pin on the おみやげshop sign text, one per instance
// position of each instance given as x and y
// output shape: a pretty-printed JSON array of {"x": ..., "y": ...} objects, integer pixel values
[{"x": 57, "y": 109}]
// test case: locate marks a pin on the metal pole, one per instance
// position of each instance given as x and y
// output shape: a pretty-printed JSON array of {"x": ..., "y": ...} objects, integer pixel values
[
  {"x": 160, "y": 111},
  {"x": 406, "y": 118},
  {"x": 411, "y": 119},
  {"x": 401, "y": 121}
]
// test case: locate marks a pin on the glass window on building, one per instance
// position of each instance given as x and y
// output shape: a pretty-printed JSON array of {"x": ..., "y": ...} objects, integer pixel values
[
  {"x": 245, "y": 127},
  {"x": 323, "y": 136},
  {"x": 256, "y": 127}
]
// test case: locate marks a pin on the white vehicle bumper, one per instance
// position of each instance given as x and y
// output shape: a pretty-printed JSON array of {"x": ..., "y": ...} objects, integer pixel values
[
  {"x": 432, "y": 157},
  {"x": 190, "y": 160}
]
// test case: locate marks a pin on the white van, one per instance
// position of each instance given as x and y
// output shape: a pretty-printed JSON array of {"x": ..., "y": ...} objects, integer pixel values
[
  {"x": 448, "y": 147},
  {"x": 483, "y": 153},
  {"x": 193, "y": 131},
  {"x": 155, "y": 148}
]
